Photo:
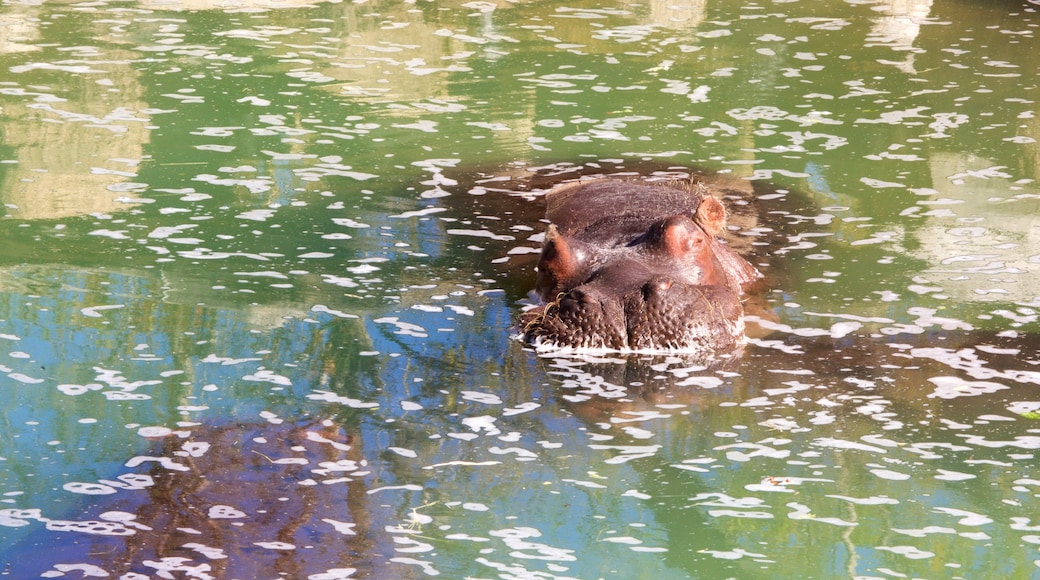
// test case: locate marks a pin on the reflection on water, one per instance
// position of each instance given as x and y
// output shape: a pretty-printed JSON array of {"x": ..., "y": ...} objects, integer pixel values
[
  {"x": 243, "y": 498},
  {"x": 261, "y": 261}
]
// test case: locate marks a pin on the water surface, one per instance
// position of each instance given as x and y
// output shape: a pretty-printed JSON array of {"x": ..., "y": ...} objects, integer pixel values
[{"x": 259, "y": 262}]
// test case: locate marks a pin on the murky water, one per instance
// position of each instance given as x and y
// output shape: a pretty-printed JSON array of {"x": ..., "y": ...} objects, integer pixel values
[{"x": 260, "y": 261}]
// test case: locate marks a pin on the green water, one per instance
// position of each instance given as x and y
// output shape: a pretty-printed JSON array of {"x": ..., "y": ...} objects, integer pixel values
[{"x": 259, "y": 262}]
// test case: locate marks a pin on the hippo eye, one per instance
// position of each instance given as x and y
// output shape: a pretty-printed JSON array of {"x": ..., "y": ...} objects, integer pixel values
[
  {"x": 679, "y": 235},
  {"x": 561, "y": 265}
]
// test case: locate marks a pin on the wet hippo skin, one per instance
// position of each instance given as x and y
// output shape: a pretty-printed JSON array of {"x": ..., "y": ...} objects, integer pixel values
[{"x": 635, "y": 266}]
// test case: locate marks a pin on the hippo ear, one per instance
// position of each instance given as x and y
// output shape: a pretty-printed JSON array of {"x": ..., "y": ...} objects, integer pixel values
[
  {"x": 560, "y": 266},
  {"x": 711, "y": 216}
]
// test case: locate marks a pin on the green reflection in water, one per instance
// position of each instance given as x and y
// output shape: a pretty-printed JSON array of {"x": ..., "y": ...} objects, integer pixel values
[{"x": 237, "y": 222}]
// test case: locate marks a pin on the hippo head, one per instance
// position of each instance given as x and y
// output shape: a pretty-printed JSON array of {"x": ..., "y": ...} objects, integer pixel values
[{"x": 641, "y": 269}]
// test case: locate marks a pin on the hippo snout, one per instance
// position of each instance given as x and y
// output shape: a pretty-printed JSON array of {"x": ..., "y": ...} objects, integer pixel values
[
  {"x": 673, "y": 316},
  {"x": 585, "y": 317},
  {"x": 661, "y": 315}
]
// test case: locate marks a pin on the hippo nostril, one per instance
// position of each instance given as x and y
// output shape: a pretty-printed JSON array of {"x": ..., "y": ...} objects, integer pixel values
[
  {"x": 576, "y": 298},
  {"x": 657, "y": 286},
  {"x": 661, "y": 284}
]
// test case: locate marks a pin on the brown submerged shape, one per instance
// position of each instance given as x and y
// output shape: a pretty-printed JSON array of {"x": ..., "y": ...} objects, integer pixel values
[
  {"x": 634, "y": 266},
  {"x": 241, "y": 500}
]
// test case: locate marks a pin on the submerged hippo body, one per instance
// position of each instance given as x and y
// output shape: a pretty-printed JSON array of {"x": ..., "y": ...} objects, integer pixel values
[{"x": 629, "y": 266}]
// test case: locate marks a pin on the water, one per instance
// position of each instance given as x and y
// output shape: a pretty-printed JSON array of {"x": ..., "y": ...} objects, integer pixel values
[{"x": 261, "y": 259}]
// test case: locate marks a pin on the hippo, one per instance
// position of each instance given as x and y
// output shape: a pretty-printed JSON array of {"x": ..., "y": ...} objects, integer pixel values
[{"x": 634, "y": 266}]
